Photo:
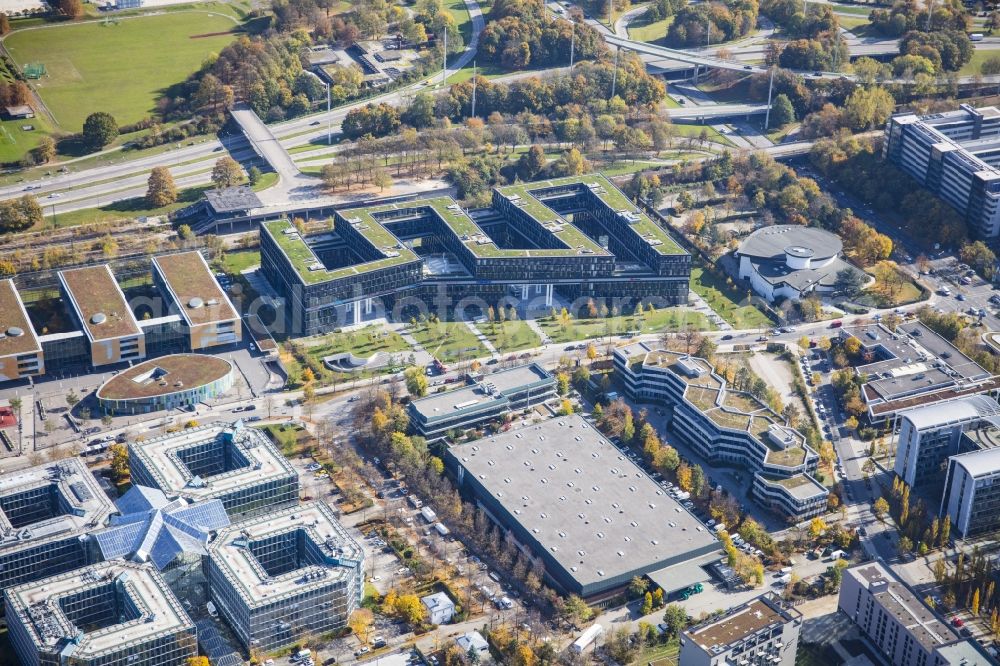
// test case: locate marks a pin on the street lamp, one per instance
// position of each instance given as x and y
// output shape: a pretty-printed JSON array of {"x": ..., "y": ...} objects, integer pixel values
[{"x": 329, "y": 133}]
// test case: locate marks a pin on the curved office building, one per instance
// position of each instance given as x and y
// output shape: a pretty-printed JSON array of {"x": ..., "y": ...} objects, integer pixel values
[{"x": 168, "y": 382}]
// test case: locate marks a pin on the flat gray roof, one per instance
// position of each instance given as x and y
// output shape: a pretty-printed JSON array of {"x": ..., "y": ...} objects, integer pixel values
[
  {"x": 594, "y": 511},
  {"x": 491, "y": 387},
  {"x": 770, "y": 242}
]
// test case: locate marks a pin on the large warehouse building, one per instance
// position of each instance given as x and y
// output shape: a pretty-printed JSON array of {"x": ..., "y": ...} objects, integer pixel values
[
  {"x": 109, "y": 614},
  {"x": 286, "y": 574},
  {"x": 577, "y": 236},
  {"x": 956, "y": 156},
  {"x": 235, "y": 464},
  {"x": 566, "y": 493},
  {"x": 45, "y": 514}
]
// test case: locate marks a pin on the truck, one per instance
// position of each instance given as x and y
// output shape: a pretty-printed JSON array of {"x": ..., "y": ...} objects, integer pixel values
[
  {"x": 586, "y": 638},
  {"x": 428, "y": 514},
  {"x": 976, "y": 37},
  {"x": 837, "y": 555}
]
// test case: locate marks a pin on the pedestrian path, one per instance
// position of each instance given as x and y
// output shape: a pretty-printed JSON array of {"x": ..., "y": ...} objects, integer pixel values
[
  {"x": 701, "y": 305},
  {"x": 482, "y": 338},
  {"x": 533, "y": 325}
]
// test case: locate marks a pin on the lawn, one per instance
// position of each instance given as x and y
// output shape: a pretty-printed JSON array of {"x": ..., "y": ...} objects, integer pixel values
[
  {"x": 510, "y": 336},
  {"x": 974, "y": 66},
  {"x": 878, "y": 296},
  {"x": 449, "y": 341},
  {"x": 694, "y": 132},
  {"x": 487, "y": 71},
  {"x": 463, "y": 20},
  {"x": 653, "y": 33},
  {"x": 668, "y": 319},
  {"x": 363, "y": 342},
  {"x": 235, "y": 263},
  {"x": 16, "y": 141},
  {"x": 123, "y": 210},
  {"x": 120, "y": 68},
  {"x": 725, "y": 301},
  {"x": 287, "y": 437}
]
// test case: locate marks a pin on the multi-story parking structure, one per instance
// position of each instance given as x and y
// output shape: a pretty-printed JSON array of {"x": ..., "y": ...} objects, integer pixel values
[
  {"x": 761, "y": 632},
  {"x": 487, "y": 398},
  {"x": 956, "y": 156},
  {"x": 899, "y": 624},
  {"x": 233, "y": 463},
  {"x": 578, "y": 236},
  {"x": 209, "y": 317},
  {"x": 108, "y": 614},
  {"x": 20, "y": 352},
  {"x": 726, "y": 426},
  {"x": 913, "y": 366},
  {"x": 45, "y": 514},
  {"x": 571, "y": 499},
  {"x": 286, "y": 574}
]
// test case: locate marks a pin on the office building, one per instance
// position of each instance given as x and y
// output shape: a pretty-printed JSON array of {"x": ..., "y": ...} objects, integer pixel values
[
  {"x": 486, "y": 398},
  {"x": 577, "y": 236},
  {"x": 45, "y": 514},
  {"x": 150, "y": 528},
  {"x": 792, "y": 261},
  {"x": 108, "y": 614},
  {"x": 209, "y": 317},
  {"x": 931, "y": 434},
  {"x": 971, "y": 496},
  {"x": 177, "y": 381},
  {"x": 956, "y": 156},
  {"x": 761, "y": 632},
  {"x": 285, "y": 574},
  {"x": 898, "y": 624},
  {"x": 102, "y": 313},
  {"x": 572, "y": 499},
  {"x": 912, "y": 366},
  {"x": 235, "y": 464},
  {"x": 727, "y": 427},
  {"x": 20, "y": 352}
]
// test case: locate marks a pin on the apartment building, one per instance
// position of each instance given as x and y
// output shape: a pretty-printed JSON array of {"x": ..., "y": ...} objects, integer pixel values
[{"x": 955, "y": 155}]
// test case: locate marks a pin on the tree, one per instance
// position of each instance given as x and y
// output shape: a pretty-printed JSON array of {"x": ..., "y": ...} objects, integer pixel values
[
  {"x": 119, "y": 461},
  {"x": 782, "y": 111},
  {"x": 666, "y": 459},
  {"x": 817, "y": 526},
  {"x": 254, "y": 175},
  {"x": 71, "y": 8},
  {"x": 409, "y": 609},
  {"x": 99, "y": 129},
  {"x": 197, "y": 661},
  {"x": 160, "y": 189},
  {"x": 647, "y": 604},
  {"x": 675, "y": 619},
  {"x": 684, "y": 476},
  {"x": 226, "y": 173},
  {"x": 868, "y": 107},
  {"x": 575, "y": 610},
  {"x": 382, "y": 180},
  {"x": 905, "y": 544},
  {"x": 20, "y": 214},
  {"x": 531, "y": 163},
  {"x": 45, "y": 151},
  {"x": 72, "y": 399},
  {"x": 4, "y": 24},
  {"x": 637, "y": 587},
  {"x": 360, "y": 622},
  {"x": 974, "y": 606},
  {"x": 416, "y": 381}
]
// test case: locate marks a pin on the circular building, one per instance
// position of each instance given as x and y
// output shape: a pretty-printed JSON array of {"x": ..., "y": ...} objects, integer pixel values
[
  {"x": 789, "y": 261},
  {"x": 167, "y": 382}
]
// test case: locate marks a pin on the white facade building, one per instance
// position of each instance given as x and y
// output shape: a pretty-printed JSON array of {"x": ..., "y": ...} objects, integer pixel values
[{"x": 440, "y": 609}]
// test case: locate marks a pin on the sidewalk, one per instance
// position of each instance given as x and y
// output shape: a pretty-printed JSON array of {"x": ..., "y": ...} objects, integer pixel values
[
  {"x": 482, "y": 338},
  {"x": 701, "y": 305}
]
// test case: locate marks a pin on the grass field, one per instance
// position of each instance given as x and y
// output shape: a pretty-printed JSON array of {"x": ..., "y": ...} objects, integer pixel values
[
  {"x": 124, "y": 210},
  {"x": 974, "y": 66},
  {"x": 463, "y": 20},
  {"x": 449, "y": 341},
  {"x": 15, "y": 141},
  {"x": 723, "y": 299},
  {"x": 653, "y": 33},
  {"x": 510, "y": 336},
  {"x": 235, "y": 263},
  {"x": 668, "y": 319},
  {"x": 122, "y": 69}
]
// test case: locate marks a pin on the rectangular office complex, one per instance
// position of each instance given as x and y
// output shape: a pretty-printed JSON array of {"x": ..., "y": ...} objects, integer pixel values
[
  {"x": 109, "y": 614},
  {"x": 972, "y": 483},
  {"x": 486, "y": 399},
  {"x": 286, "y": 574},
  {"x": 209, "y": 317},
  {"x": 45, "y": 515},
  {"x": 101, "y": 311},
  {"x": 20, "y": 351},
  {"x": 571, "y": 498},
  {"x": 761, "y": 632},
  {"x": 897, "y": 622},
  {"x": 233, "y": 463},
  {"x": 727, "y": 427},
  {"x": 956, "y": 156},
  {"x": 578, "y": 236}
]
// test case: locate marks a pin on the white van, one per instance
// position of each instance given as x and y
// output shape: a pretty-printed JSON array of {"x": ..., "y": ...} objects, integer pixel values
[
  {"x": 212, "y": 610},
  {"x": 302, "y": 654}
]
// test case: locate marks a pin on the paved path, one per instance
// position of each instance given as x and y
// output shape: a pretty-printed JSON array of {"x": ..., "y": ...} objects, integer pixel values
[
  {"x": 482, "y": 338},
  {"x": 701, "y": 305},
  {"x": 542, "y": 335}
]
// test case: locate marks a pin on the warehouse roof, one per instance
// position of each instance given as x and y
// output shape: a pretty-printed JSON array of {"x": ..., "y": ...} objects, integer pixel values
[{"x": 582, "y": 500}]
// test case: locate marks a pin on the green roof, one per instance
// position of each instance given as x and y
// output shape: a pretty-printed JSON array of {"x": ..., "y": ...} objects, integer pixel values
[
  {"x": 607, "y": 192},
  {"x": 302, "y": 257}
]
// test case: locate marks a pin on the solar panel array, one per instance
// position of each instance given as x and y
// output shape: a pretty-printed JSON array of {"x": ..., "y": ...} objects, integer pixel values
[{"x": 215, "y": 646}]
